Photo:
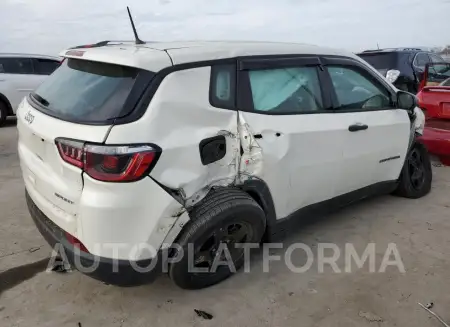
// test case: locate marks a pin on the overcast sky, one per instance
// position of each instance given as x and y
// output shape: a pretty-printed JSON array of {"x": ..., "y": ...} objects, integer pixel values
[{"x": 47, "y": 26}]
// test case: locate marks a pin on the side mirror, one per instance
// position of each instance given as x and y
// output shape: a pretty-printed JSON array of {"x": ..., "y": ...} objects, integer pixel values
[{"x": 406, "y": 101}]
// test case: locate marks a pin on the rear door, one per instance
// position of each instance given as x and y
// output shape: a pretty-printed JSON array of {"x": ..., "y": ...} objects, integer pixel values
[
  {"x": 76, "y": 104},
  {"x": 376, "y": 133},
  {"x": 17, "y": 77},
  {"x": 284, "y": 104}
]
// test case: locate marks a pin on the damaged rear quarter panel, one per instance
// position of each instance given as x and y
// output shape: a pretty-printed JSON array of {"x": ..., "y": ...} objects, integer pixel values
[{"x": 179, "y": 117}]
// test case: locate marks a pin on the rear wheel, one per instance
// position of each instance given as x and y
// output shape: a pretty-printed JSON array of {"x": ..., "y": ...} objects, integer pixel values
[
  {"x": 3, "y": 112},
  {"x": 416, "y": 175},
  {"x": 226, "y": 217}
]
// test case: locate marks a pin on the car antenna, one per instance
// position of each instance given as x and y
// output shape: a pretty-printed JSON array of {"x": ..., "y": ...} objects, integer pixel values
[{"x": 136, "y": 37}]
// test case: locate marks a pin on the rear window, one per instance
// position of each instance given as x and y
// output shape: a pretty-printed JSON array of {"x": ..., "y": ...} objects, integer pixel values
[
  {"x": 381, "y": 60},
  {"x": 92, "y": 92}
]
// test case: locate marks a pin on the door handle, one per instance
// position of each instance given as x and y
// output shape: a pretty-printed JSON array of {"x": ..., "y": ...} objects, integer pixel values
[{"x": 357, "y": 127}]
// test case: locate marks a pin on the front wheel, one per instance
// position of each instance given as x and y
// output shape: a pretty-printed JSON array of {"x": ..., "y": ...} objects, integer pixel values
[
  {"x": 416, "y": 176},
  {"x": 225, "y": 218}
]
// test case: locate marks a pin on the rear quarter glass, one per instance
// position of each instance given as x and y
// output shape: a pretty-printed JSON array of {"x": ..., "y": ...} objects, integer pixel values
[{"x": 91, "y": 92}]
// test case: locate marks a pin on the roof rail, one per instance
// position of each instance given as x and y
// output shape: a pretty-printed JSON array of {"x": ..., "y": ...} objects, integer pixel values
[
  {"x": 102, "y": 44},
  {"x": 412, "y": 49},
  {"x": 397, "y": 49}
]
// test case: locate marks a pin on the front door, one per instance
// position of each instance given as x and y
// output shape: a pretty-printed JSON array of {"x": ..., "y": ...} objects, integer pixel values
[
  {"x": 19, "y": 77},
  {"x": 376, "y": 132}
]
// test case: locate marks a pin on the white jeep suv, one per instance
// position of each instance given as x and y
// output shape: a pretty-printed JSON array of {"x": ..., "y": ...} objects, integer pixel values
[
  {"x": 20, "y": 74},
  {"x": 130, "y": 149}
]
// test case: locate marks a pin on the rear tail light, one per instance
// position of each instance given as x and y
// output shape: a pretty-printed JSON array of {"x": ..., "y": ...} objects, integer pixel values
[{"x": 109, "y": 163}]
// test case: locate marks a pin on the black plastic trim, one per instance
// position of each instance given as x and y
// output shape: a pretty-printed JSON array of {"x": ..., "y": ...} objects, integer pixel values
[
  {"x": 279, "y": 61},
  {"x": 279, "y": 229}
]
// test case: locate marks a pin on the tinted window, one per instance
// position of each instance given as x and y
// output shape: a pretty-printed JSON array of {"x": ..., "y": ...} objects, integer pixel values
[
  {"x": 87, "y": 91},
  {"x": 382, "y": 61},
  {"x": 286, "y": 90},
  {"x": 222, "y": 88},
  {"x": 355, "y": 90},
  {"x": 16, "y": 66},
  {"x": 436, "y": 58},
  {"x": 45, "y": 66},
  {"x": 421, "y": 60}
]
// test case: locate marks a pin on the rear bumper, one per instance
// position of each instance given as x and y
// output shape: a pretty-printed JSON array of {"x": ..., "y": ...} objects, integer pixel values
[{"x": 111, "y": 271}]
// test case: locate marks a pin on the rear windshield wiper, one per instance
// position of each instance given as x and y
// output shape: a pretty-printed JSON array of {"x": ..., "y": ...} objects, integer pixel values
[{"x": 40, "y": 99}]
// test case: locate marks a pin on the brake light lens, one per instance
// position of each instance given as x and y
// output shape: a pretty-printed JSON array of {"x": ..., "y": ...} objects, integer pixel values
[{"x": 123, "y": 163}]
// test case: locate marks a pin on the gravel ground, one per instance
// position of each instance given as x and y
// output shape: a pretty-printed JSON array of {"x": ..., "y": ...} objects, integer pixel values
[{"x": 30, "y": 296}]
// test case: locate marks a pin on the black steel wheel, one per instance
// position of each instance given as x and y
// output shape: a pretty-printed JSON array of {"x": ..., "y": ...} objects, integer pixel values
[{"x": 416, "y": 176}]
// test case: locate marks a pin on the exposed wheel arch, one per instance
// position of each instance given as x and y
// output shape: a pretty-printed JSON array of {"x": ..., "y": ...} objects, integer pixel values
[{"x": 260, "y": 192}]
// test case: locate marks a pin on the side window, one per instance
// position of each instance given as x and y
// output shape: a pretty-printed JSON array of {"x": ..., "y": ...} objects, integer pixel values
[
  {"x": 285, "y": 90},
  {"x": 45, "y": 66},
  {"x": 354, "y": 90},
  {"x": 421, "y": 60},
  {"x": 436, "y": 58},
  {"x": 222, "y": 89},
  {"x": 16, "y": 66}
]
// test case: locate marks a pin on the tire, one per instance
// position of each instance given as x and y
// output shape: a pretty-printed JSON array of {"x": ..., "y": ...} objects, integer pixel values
[
  {"x": 420, "y": 185},
  {"x": 220, "y": 209},
  {"x": 3, "y": 112}
]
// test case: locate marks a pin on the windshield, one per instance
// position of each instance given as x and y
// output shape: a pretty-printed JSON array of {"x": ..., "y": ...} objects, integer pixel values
[
  {"x": 381, "y": 60},
  {"x": 87, "y": 91}
]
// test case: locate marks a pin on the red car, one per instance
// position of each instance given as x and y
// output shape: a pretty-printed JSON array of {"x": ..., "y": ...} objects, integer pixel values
[{"x": 434, "y": 99}]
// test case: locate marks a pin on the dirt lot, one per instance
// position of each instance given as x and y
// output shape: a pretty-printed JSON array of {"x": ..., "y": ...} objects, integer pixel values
[{"x": 29, "y": 296}]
